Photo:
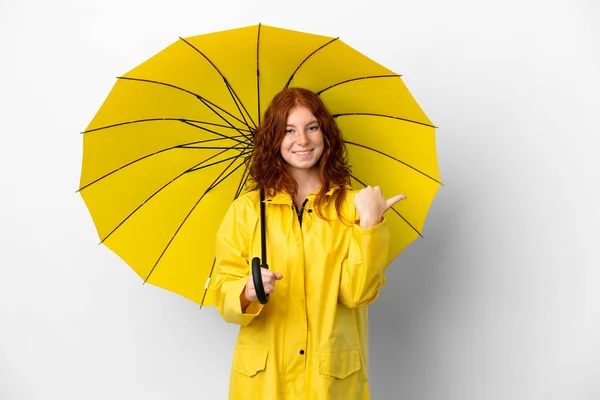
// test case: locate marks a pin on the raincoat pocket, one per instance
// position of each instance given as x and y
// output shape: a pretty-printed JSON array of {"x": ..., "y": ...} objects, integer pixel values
[
  {"x": 249, "y": 361},
  {"x": 339, "y": 364}
]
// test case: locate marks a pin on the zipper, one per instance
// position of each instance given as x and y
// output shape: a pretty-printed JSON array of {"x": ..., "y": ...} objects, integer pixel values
[{"x": 299, "y": 212}]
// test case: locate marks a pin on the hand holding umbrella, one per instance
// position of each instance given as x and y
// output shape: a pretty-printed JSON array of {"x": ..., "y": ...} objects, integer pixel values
[{"x": 267, "y": 280}]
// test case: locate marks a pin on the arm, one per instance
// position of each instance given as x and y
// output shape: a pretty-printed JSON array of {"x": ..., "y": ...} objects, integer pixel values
[
  {"x": 363, "y": 271},
  {"x": 232, "y": 269}
]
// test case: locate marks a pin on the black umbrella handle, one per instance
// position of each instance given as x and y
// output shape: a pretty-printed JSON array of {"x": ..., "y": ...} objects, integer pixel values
[{"x": 262, "y": 297}]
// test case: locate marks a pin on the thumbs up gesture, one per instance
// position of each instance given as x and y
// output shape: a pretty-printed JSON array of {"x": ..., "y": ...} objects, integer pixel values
[{"x": 371, "y": 205}]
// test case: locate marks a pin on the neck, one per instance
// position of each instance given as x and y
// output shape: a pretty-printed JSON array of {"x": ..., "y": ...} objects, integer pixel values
[{"x": 308, "y": 182}]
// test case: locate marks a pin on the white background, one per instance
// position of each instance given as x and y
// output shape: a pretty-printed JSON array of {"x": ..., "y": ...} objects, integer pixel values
[{"x": 500, "y": 300}]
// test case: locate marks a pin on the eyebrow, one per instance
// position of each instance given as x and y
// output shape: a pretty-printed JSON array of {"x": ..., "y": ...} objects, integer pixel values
[{"x": 310, "y": 123}]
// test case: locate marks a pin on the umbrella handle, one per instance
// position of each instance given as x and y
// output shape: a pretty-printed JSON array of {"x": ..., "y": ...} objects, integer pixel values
[{"x": 258, "y": 283}]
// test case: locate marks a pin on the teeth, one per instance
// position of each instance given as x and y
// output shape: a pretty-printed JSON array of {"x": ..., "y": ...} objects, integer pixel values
[{"x": 302, "y": 152}]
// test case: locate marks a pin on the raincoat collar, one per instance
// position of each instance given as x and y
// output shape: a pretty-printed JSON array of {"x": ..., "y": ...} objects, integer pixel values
[{"x": 286, "y": 199}]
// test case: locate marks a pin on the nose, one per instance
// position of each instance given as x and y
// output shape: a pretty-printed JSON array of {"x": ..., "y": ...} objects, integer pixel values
[{"x": 302, "y": 138}]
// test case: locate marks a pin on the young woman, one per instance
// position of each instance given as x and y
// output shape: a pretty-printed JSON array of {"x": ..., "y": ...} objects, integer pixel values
[{"x": 327, "y": 253}]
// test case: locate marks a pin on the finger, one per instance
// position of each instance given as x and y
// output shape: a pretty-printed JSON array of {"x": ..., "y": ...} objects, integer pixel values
[
  {"x": 268, "y": 280},
  {"x": 267, "y": 276},
  {"x": 251, "y": 295},
  {"x": 272, "y": 274},
  {"x": 393, "y": 200},
  {"x": 269, "y": 288}
]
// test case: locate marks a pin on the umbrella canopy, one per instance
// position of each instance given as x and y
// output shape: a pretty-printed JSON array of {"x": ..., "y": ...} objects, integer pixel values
[{"x": 167, "y": 152}]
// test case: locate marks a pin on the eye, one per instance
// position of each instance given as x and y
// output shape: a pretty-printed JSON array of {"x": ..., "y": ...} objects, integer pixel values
[
  {"x": 289, "y": 131},
  {"x": 313, "y": 128}
]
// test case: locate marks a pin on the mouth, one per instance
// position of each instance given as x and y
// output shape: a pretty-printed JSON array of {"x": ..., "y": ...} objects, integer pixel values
[{"x": 303, "y": 152}]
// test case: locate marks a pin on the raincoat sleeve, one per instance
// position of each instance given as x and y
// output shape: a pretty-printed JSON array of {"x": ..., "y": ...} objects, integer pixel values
[
  {"x": 232, "y": 268},
  {"x": 363, "y": 271}
]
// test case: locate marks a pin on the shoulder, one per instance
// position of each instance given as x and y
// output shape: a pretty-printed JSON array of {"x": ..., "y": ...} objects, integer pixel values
[
  {"x": 347, "y": 208},
  {"x": 247, "y": 204},
  {"x": 241, "y": 213},
  {"x": 248, "y": 198},
  {"x": 349, "y": 193}
]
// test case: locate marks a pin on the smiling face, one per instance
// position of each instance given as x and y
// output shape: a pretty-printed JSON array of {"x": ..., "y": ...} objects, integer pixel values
[{"x": 303, "y": 144}]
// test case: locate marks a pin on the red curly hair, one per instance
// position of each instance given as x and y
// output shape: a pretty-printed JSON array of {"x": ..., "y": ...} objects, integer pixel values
[{"x": 267, "y": 167}]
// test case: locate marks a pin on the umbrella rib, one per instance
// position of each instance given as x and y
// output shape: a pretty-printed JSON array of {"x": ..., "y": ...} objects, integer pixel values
[
  {"x": 258, "y": 71},
  {"x": 307, "y": 57},
  {"x": 393, "y": 158},
  {"x": 358, "y": 79},
  {"x": 202, "y": 99},
  {"x": 150, "y": 155},
  {"x": 246, "y": 137},
  {"x": 188, "y": 215},
  {"x": 239, "y": 109},
  {"x": 217, "y": 125},
  {"x": 164, "y": 119},
  {"x": 224, "y": 119},
  {"x": 232, "y": 92},
  {"x": 215, "y": 184},
  {"x": 206, "y": 147},
  {"x": 243, "y": 180},
  {"x": 384, "y": 116},
  {"x": 392, "y": 208},
  {"x": 208, "y": 281},
  {"x": 163, "y": 187},
  {"x": 198, "y": 168}
]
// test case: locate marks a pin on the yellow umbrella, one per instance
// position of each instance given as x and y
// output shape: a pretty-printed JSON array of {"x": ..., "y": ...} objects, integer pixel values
[{"x": 166, "y": 153}]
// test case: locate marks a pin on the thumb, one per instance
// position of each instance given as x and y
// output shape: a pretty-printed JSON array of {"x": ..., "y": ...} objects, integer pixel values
[
  {"x": 393, "y": 200},
  {"x": 278, "y": 276}
]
